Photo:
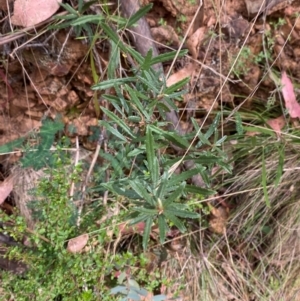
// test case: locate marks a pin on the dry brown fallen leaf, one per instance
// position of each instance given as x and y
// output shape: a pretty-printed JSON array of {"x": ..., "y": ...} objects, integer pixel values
[
  {"x": 181, "y": 74},
  {"x": 289, "y": 96},
  {"x": 277, "y": 124},
  {"x": 76, "y": 244},
  {"x": 31, "y": 12},
  {"x": 5, "y": 188},
  {"x": 218, "y": 219},
  {"x": 195, "y": 40}
]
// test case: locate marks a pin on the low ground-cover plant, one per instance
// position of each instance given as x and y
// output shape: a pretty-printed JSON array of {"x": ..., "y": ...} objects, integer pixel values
[{"x": 142, "y": 157}]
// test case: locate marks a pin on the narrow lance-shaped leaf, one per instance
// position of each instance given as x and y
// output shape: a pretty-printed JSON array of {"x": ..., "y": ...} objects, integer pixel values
[
  {"x": 168, "y": 56},
  {"x": 111, "y": 34},
  {"x": 113, "y": 130},
  {"x": 139, "y": 14},
  {"x": 174, "y": 196},
  {"x": 118, "y": 121},
  {"x": 147, "y": 61},
  {"x": 198, "y": 190},
  {"x": 183, "y": 176},
  {"x": 87, "y": 19},
  {"x": 139, "y": 188},
  {"x": 151, "y": 158},
  {"x": 181, "y": 213},
  {"x": 147, "y": 231},
  {"x": 163, "y": 228},
  {"x": 212, "y": 128},
  {"x": 111, "y": 83},
  {"x": 138, "y": 219},
  {"x": 176, "y": 221}
]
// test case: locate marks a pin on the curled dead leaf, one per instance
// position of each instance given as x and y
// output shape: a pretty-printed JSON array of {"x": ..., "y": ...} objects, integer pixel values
[{"x": 76, "y": 244}]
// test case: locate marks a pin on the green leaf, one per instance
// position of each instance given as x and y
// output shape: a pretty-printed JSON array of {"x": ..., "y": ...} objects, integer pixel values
[
  {"x": 176, "y": 86},
  {"x": 140, "y": 218},
  {"x": 113, "y": 130},
  {"x": 95, "y": 19},
  {"x": 176, "y": 139},
  {"x": 118, "y": 121},
  {"x": 86, "y": 6},
  {"x": 139, "y": 14},
  {"x": 69, "y": 8},
  {"x": 149, "y": 212},
  {"x": 174, "y": 195},
  {"x": 177, "y": 222},
  {"x": 113, "y": 35},
  {"x": 148, "y": 83},
  {"x": 176, "y": 179},
  {"x": 139, "y": 188},
  {"x": 213, "y": 127},
  {"x": 162, "y": 188},
  {"x": 259, "y": 129},
  {"x": 181, "y": 213},
  {"x": 168, "y": 56},
  {"x": 111, "y": 83},
  {"x": 147, "y": 61},
  {"x": 114, "y": 60},
  {"x": 147, "y": 231},
  {"x": 207, "y": 159},
  {"x": 239, "y": 124},
  {"x": 117, "y": 167},
  {"x": 264, "y": 179},
  {"x": 151, "y": 157},
  {"x": 163, "y": 228},
  {"x": 11, "y": 146},
  {"x": 136, "y": 101},
  {"x": 198, "y": 190},
  {"x": 279, "y": 171}
]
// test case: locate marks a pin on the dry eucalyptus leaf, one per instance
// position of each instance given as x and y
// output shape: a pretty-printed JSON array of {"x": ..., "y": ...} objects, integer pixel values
[
  {"x": 31, "y": 12},
  {"x": 195, "y": 40},
  {"x": 5, "y": 189},
  {"x": 180, "y": 75},
  {"x": 289, "y": 96},
  {"x": 76, "y": 244},
  {"x": 277, "y": 124}
]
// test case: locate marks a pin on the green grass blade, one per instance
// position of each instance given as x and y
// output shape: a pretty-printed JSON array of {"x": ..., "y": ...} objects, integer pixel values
[
  {"x": 264, "y": 179},
  {"x": 279, "y": 171}
]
